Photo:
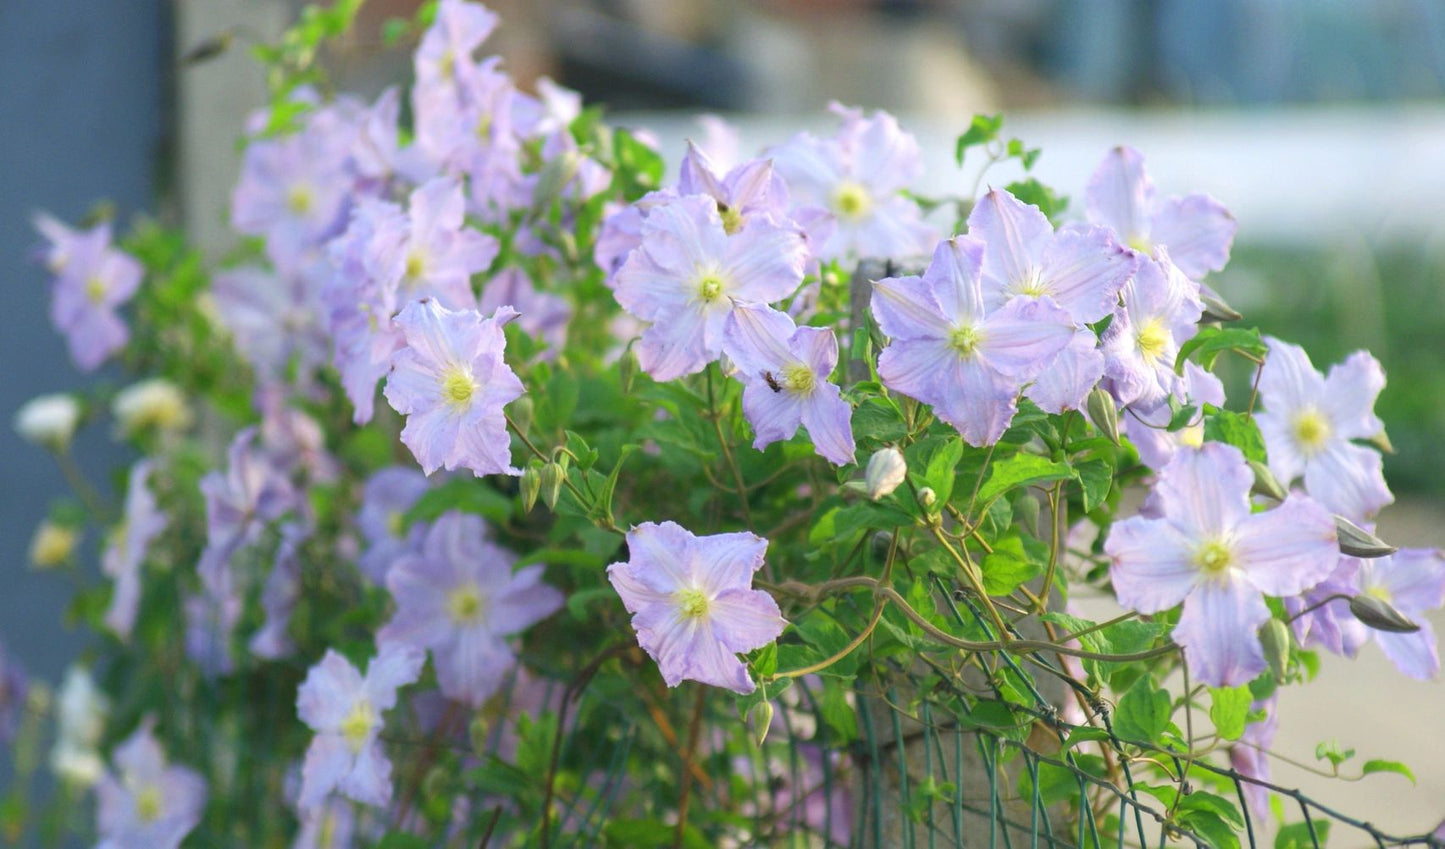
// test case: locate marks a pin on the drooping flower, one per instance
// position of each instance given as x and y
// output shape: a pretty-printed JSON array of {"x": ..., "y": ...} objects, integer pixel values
[
  {"x": 81, "y": 712},
  {"x": 239, "y": 501},
  {"x": 847, "y": 188},
  {"x": 345, "y": 710},
  {"x": 1160, "y": 312},
  {"x": 151, "y": 404},
  {"x": 94, "y": 279},
  {"x": 148, "y": 803},
  {"x": 1210, "y": 552},
  {"x": 48, "y": 420},
  {"x": 1309, "y": 421},
  {"x": 1196, "y": 230},
  {"x": 784, "y": 370},
  {"x": 125, "y": 551},
  {"x": 458, "y": 597},
  {"x": 451, "y": 382},
  {"x": 360, "y": 306},
  {"x": 389, "y": 493},
  {"x": 689, "y": 274},
  {"x": 1319, "y": 621},
  {"x": 692, "y": 602},
  {"x": 949, "y": 350}
]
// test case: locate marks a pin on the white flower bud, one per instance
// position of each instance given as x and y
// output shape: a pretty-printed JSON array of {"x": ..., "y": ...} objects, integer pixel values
[
  {"x": 886, "y": 470},
  {"x": 155, "y": 403},
  {"x": 82, "y": 710},
  {"x": 48, "y": 420},
  {"x": 52, "y": 545}
]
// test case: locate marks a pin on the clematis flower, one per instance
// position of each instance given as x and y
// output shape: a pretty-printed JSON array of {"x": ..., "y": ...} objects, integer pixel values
[
  {"x": 1210, "y": 552},
  {"x": 389, "y": 493},
  {"x": 544, "y": 316},
  {"x": 345, "y": 710},
  {"x": 1413, "y": 582},
  {"x": 458, "y": 597},
  {"x": 239, "y": 501},
  {"x": 430, "y": 252},
  {"x": 949, "y": 350},
  {"x": 1160, "y": 312},
  {"x": 1309, "y": 420},
  {"x": 125, "y": 551},
  {"x": 1147, "y": 427},
  {"x": 1196, "y": 230},
  {"x": 456, "y": 32},
  {"x": 1330, "y": 623},
  {"x": 784, "y": 370},
  {"x": 689, "y": 274},
  {"x": 280, "y": 593},
  {"x": 692, "y": 602},
  {"x": 274, "y": 317},
  {"x": 360, "y": 307},
  {"x": 847, "y": 188},
  {"x": 81, "y": 711},
  {"x": 451, "y": 382},
  {"x": 149, "y": 803},
  {"x": 93, "y": 281}
]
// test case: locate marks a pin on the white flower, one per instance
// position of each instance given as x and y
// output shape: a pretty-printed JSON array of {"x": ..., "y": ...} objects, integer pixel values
[
  {"x": 48, "y": 420},
  {"x": 150, "y": 403},
  {"x": 81, "y": 710}
]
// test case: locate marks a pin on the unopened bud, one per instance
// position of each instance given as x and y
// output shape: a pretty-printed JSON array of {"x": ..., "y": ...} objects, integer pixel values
[
  {"x": 1381, "y": 615},
  {"x": 886, "y": 470},
  {"x": 761, "y": 719},
  {"x": 1358, "y": 542},
  {"x": 150, "y": 404},
  {"x": 1381, "y": 441},
  {"x": 48, "y": 420},
  {"x": 552, "y": 476},
  {"x": 434, "y": 786},
  {"x": 927, "y": 497},
  {"x": 531, "y": 486},
  {"x": 1275, "y": 639},
  {"x": 555, "y": 176},
  {"x": 1103, "y": 412},
  {"x": 52, "y": 545},
  {"x": 627, "y": 369},
  {"x": 1265, "y": 483},
  {"x": 1215, "y": 309},
  {"x": 882, "y": 542},
  {"x": 477, "y": 732},
  {"x": 521, "y": 412}
]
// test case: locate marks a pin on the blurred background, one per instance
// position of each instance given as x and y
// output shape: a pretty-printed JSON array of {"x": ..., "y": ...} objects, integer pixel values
[{"x": 1319, "y": 123}]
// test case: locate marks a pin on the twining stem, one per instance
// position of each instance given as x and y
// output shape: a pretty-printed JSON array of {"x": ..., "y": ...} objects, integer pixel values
[
  {"x": 1188, "y": 739},
  {"x": 1056, "y": 502},
  {"x": 694, "y": 728},
  {"x": 94, "y": 503},
  {"x": 727, "y": 451},
  {"x": 975, "y": 580}
]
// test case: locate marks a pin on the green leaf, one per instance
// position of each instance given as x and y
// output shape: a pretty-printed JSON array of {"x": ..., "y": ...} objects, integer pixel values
[
  {"x": 1297, "y": 835},
  {"x": 1032, "y": 191},
  {"x": 1021, "y": 470},
  {"x": 837, "y": 712},
  {"x": 1095, "y": 478},
  {"x": 1235, "y": 429},
  {"x": 983, "y": 129},
  {"x": 1212, "y": 340},
  {"x": 939, "y": 472},
  {"x": 1008, "y": 566},
  {"x": 880, "y": 419},
  {"x": 1374, "y": 766},
  {"x": 1143, "y": 712},
  {"x": 1330, "y": 751},
  {"x": 469, "y": 495},
  {"x": 1201, "y": 800},
  {"x": 1229, "y": 710},
  {"x": 1216, "y": 831},
  {"x": 1055, "y": 784}
]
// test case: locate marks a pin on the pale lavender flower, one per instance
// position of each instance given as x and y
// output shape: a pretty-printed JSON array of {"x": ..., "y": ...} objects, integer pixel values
[
  {"x": 692, "y": 602},
  {"x": 544, "y": 316},
  {"x": 620, "y": 234},
  {"x": 1147, "y": 427},
  {"x": 847, "y": 188},
  {"x": 360, "y": 307},
  {"x": 751, "y": 188},
  {"x": 149, "y": 805},
  {"x": 280, "y": 593},
  {"x": 784, "y": 370},
  {"x": 1412, "y": 581},
  {"x": 211, "y": 619},
  {"x": 60, "y": 241},
  {"x": 274, "y": 317},
  {"x": 1210, "y": 552},
  {"x": 293, "y": 440},
  {"x": 249, "y": 493},
  {"x": 345, "y": 710},
  {"x": 949, "y": 350},
  {"x": 1330, "y": 623},
  {"x": 1248, "y": 756},
  {"x": 94, "y": 280},
  {"x": 1160, "y": 312},
  {"x": 456, "y": 32},
  {"x": 1197, "y": 230},
  {"x": 125, "y": 551},
  {"x": 377, "y": 153},
  {"x": 689, "y": 274},
  {"x": 431, "y": 253},
  {"x": 1309, "y": 421},
  {"x": 458, "y": 597},
  {"x": 389, "y": 493},
  {"x": 451, "y": 382}
]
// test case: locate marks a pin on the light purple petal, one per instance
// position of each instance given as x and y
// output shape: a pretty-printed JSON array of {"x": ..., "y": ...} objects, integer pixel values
[
  {"x": 1206, "y": 492},
  {"x": 1015, "y": 235},
  {"x": 727, "y": 561},
  {"x": 1414, "y": 577},
  {"x": 1083, "y": 271},
  {"x": 744, "y": 620},
  {"x": 1289, "y": 549},
  {"x": 763, "y": 262},
  {"x": 756, "y": 339},
  {"x": 395, "y": 665},
  {"x": 906, "y": 309},
  {"x": 687, "y": 649},
  {"x": 326, "y": 695},
  {"x": 523, "y": 602},
  {"x": 828, "y": 419},
  {"x": 913, "y": 367},
  {"x": 472, "y": 667},
  {"x": 660, "y": 555},
  {"x": 1415, "y": 654},
  {"x": 676, "y": 346},
  {"x": 774, "y": 415},
  {"x": 328, "y": 760},
  {"x": 1022, "y": 338},
  {"x": 1120, "y": 195},
  {"x": 1198, "y": 231},
  {"x": 1348, "y": 479},
  {"x": 369, "y": 780},
  {"x": 1218, "y": 630},
  {"x": 1349, "y": 396},
  {"x": 1153, "y": 567},
  {"x": 1065, "y": 385}
]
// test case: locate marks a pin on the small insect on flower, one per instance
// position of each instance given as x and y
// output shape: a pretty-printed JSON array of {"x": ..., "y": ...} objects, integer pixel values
[{"x": 771, "y": 381}]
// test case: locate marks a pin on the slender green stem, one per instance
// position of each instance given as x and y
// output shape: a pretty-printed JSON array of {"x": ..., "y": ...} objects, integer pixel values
[
  {"x": 605, "y": 522},
  {"x": 974, "y": 578},
  {"x": 726, "y": 445},
  {"x": 96, "y": 504}
]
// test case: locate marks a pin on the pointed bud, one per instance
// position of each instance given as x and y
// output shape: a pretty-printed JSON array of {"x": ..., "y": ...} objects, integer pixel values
[
  {"x": 1358, "y": 542},
  {"x": 1265, "y": 483},
  {"x": 1215, "y": 309},
  {"x": 477, "y": 732},
  {"x": 521, "y": 412},
  {"x": 552, "y": 476},
  {"x": 1275, "y": 639},
  {"x": 882, "y": 543},
  {"x": 627, "y": 369},
  {"x": 886, "y": 470},
  {"x": 1381, "y": 615},
  {"x": 1381, "y": 441},
  {"x": 761, "y": 719},
  {"x": 927, "y": 498},
  {"x": 1103, "y": 412},
  {"x": 531, "y": 487},
  {"x": 434, "y": 785}
]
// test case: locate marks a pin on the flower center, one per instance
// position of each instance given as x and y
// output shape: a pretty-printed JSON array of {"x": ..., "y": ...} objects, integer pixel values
[
  {"x": 358, "y": 724},
  {"x": 1141, "y": 243},
  {"x": 1381, "y": 593},
  {"x": 1213, "y": 558},
  {"x": 95, "y": 290},
  {"x": 1192, "y": 436},
  {"x": 709, "y": 288},
  {"x": 965, "y": 340},
  {"x": 1152, "y": 339},
  {"x": 851, "y": 200},
  {"x": 458, "y": 386},
  {"x": 148, "y": 803},
  {"x": 446, "y": 63},
  {"x": 1311, "y": 430},
  {"x": 415, "y": 265},
  {"x": 732, "y": 220},
  {"x": 466, "y": 605},
  {"x": 1032, "y": 285},
  {"x": 395, "y": 523},
  {"x": 693, "y": 603},
  {"x": 799, "y": 378},
  {"x": 484, "y": 127},
  {"x": 299, "y": 200}
]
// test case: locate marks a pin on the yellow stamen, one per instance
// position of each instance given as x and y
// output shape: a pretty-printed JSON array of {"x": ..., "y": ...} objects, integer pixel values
[
  {"x": 299, "y": 200},
  {"x": 1152, "y": 339},
  {"x": 148, "y": 803},
  {"x": 965, "y": 340},
  {"x": 458, "y": 386},
  {"x": 415, "y": 266},
  {"x": 466, "y": 605},
  {"x": 1381, "y": 593},
  {"x": 732, "y": 220},
  {"x": 799, "y": 378},
  {"x": 1213, "y": 558},
  {"x": 95, "y": 290},
  {"x": 709, "y": 288},
  {"x": 1311, "y": 431},
  {"x": 851, "y": 200},
  {"x": 1141, "y": 244},
  {"x": 1032, "y": 286},
  {"x": 395, "y": 523},
  {"x": 694, "y": 603},
  {"x": 358, "y": 724}
]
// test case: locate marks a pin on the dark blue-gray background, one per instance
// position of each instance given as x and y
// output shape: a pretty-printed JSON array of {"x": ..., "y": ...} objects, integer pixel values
[{"x": 81, "y": 118}]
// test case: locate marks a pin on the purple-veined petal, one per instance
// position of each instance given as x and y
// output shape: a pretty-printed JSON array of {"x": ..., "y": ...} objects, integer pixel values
[
  {"x": 1288, "y": 380},
  {"x": 325, "y": 696},
  {"x": 756, "y": 339},
  {"x": 1218, "y": 630},
  {"x": 395, "y": 665},
  {"x": 775, "y": 416},
  {"x": 955, "y": 277},
  {"x": 635, "y": 594},
  {"x": 1198, "y": 231},
  {"x": 1120, "y": 195},
  {"x": 1349, "y": 396},
  {"x": 1083, "y": 271},
  {"x": 1206, "y": 492},
  {"x": 1153, "y": 567},
  {"x": 687, "y": 649},
  {"x": 828, "y": 419},
  {"x": 727, "y": 561},
  {"x": 660, "y": 554},
  {"x": 1414, "y": 578},
  {"x": 746, "y": 619},
  {"x": 523, "y": 602},
  {"x": 1415, "y": 654},
  {"x": 1075, "y": 371},
  {"x": 1289, "y": 549},
  {"x": 906, "y": 309},
  {"x": 818, "y": 347},
  {"x": 1022, "y": 338},
  {"x": 675, "y": 346},
  {"x": 473, "y": 665},
  {"x": 1348, "y": 479},
  {"x": 1015, "y": 235},
  {"x": 763, "y": 262}
]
